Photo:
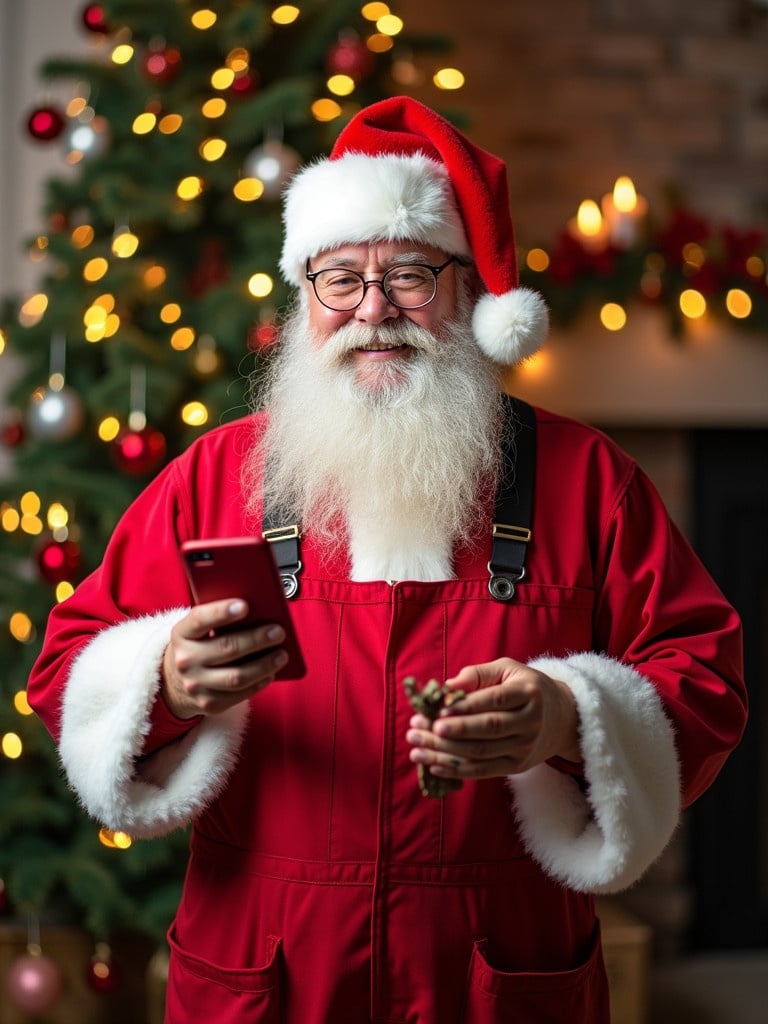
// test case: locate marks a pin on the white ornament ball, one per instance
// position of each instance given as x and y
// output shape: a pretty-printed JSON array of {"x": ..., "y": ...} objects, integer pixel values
[
  {"x": 274, "y": 165},
  {"x": 85, "y": 139},
  {"x": 55, "y": 415}
]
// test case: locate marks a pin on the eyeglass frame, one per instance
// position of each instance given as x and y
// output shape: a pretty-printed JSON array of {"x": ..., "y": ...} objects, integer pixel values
[{"x": 311, "y": 275}]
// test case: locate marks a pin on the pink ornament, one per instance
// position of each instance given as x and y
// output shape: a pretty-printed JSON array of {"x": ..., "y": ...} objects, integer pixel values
[
  {"x": 350, "y": 56},
  {"x": 162, "y": 65},
  {"x": 33, "y": 983},
  {"x": 138, "y": 452}
]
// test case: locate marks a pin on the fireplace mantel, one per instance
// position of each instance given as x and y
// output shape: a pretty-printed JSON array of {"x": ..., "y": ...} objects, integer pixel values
[{"x": 716, "y": 375}]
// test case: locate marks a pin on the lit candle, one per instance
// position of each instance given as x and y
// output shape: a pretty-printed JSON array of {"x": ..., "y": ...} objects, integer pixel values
[
  {"x": 623, "y": 210},
  {"x": 588, "y": 226}
]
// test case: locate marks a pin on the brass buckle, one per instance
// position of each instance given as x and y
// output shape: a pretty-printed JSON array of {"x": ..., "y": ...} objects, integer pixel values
[
  {"x": 505, "y": 532},
  {"x": 278, "y": 533}
]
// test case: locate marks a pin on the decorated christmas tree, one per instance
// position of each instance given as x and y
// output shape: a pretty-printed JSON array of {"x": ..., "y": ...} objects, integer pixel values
[{"x": 158, "y": 300}]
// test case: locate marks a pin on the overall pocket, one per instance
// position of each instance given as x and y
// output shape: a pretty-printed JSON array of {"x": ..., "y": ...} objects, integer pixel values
[
  {"x": 578, "y": 996},
  {"x": 199, "y": 990}
]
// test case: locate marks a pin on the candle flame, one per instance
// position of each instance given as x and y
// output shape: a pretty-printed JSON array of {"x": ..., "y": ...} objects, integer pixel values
[{"x": 624, "y": 195}]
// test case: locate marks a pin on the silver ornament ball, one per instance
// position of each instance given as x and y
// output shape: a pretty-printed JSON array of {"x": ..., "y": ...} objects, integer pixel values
[
  {"x": 55, "y": 415},
  {"x": 274, "y": 165},
  {"x": 85, "y": 139}
]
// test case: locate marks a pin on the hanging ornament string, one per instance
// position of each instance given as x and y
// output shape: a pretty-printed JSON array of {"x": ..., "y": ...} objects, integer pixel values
[
  {"x": 34, "y": 981},
  {"x": 138, "y": 449}
]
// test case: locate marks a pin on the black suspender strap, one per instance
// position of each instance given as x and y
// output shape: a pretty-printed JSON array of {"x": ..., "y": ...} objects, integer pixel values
[{"x": 513, "y": 515}]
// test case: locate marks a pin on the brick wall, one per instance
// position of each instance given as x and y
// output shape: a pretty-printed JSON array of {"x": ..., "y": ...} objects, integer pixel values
[{"x": 573, "y": 93}]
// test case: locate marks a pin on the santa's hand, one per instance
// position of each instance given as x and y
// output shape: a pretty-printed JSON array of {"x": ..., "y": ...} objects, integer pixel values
[
  {"x": 511, "y": 718},
  {"x": 202, "y": 670}
]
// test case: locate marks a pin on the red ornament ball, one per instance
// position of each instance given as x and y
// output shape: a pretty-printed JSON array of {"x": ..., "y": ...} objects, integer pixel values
[
  {"x": 33, "y": 983},
  {"x": 58, "y": 560},
  {"x": 45, "y": 123},
  {"x": 12, "y": 431},
  {"x": 245, "y": 84},
  {"x": 162, "y": 65},
  {"x": 93, "y": 18},
  {"x": 138, "y": 452},
  {"x": 350, "y": 56},
  {"x": 263, "y": 338}
]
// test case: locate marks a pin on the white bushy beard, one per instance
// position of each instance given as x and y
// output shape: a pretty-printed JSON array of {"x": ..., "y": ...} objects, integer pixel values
[{"x": 397, "y": 466}]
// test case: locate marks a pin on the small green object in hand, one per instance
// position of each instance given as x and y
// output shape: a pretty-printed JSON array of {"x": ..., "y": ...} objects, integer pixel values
[{"x": 429, "y": 701}]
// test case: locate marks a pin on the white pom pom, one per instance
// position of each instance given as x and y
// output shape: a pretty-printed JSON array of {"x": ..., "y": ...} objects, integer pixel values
[{"x": 512, "y": 326}]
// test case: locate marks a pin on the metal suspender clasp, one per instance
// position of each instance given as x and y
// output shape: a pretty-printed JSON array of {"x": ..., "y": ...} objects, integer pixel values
[
  {"x": 285, "y": 541},
  {"x": 507, "y": 565}
]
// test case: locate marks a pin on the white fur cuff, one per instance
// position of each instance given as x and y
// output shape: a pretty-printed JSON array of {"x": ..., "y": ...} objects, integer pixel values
[
  {"x": 603, "y": 840},
  {"x": 111, "y": 689}
]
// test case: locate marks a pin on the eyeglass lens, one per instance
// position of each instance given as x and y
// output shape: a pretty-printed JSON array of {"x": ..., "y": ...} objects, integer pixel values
[{"x": 408, "y": 287}]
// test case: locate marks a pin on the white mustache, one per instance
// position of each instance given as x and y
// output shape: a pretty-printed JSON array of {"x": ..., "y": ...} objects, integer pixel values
[{"x": 355, "y": 336}]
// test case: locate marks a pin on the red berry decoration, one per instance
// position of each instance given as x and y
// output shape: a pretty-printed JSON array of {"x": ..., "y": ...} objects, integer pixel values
[
  {"x": 58, "y": 560},
  {"x": 162, "y": 64},
  {"x": 138, "y": 452},
  {"x": 350, "y": 56},
  {"x": 45, "y": 123},
  {"x": 93, "y": 19}
]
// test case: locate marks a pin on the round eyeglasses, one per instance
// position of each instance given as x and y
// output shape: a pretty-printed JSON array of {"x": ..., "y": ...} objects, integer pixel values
[{"x": 407, "y": 286}]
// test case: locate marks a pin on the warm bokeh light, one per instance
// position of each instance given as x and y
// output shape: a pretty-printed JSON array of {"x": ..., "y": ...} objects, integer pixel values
[
  {"x": 260, "y": 285},
  {"x": 154, "y": 276},
  {"x": 190, "y": 187},
  {"x": 194, "y": 414},
  {"x": 212, "y": 149},
  {"x": 95, "y": 269},
  {"x": 21, "y": 627},
  {"x": 213, "y": 108},
  {"x": 624, "y": 195},
  {"x": 30, "y": 503},
  {"x": 114, "y": 840},
  {"x": 693, "y": 304},
  {"x": 341, "y": 85},
  {"x": 694, "y": 255},
  {"x": 11, "y": 746},
  {"x": 613, "y": 316},
  {"x": 144, "y": 123},
  {"x": 108, "y": 428},
  {"x": 389, "y": 24},
  {"x": 379, "y": 43},
  {"x": 248, "y": 189},
  {"x": 755, "y": 266},
  {"x": 204, "y": 18},
  {"x": 82, "y": 236},
  {"x": 222, "y": 78},
  {"x": 285, "y": 14},
  {"x": 374, "y": 11},
  {"x": 21, "y": 703},
  {"x": 57, "y": 516},
  {"x": 238, "y": 60},
  {"x": 738, "y": 303},
  {"x": 122, "y": 53},
  {"x": 124, "y": 243},
  {"x": 9, "y": 518},
  {"x": 537, "y": 260},
  {"x": 33, "y": 309},
  {"x": 325, "y": 110},
  {"x": 170, "y": 313},
  {"x": 182, "y": 339},
  {"x": 448, "y": 78},
  {"x": 170, "y": 123},
  {"x": 589, "y": 218},
  {"x": 64, "y": 590}
]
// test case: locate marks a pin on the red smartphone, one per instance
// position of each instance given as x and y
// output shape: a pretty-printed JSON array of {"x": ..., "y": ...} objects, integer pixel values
[{"x": 244, "y": 567}]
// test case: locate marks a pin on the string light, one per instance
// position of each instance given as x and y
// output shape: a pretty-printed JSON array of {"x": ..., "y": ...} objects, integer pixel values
[
  {"x": 124, "y": 242},
  {"x": 204, "y": 18},
  {"x": 285, "y": 14},
  {"x": 238, "y": 60},
  {"x": 537, "y": 260},
  {"x": 122, "y": 53},
  {"x": 613, "y": 316},
  {"x": 190, "y": 187},
  {"x": 248, "y": 189},
  {"x": 182, "y": 339},
  {"x": 32, "y": 310},
  {"x": 57, "y": 516},
  {"x": 222, "y": 78},
  {"x": 212, "y": 149},
  {"x": 154, "y": 276},
  {"x": 738, "y": 303},
  {"x": 214, "y": 107},
  {"x": 21, "y": 703},
  {"x": 170, "y": 124},
  {"x": 114, "y": 840},
  {"x": 341, "y": 85},
  {"x": 95, "y": 269},
  {"x": 389, "y": 24},
  {"x": 260, "y": 285},
  {"x": 325, "y": 110},
  {"x": 63, "y": 591},
  {"x": 82, "y": 236},
  {"x": 448, "y": 78},
  {"x": 144, "y": 123},
  {"x": 693, "y": 304},
  {"x": 21, "y": 628},
  {"x": 3, "y": 342},
  {"x": 11, "y": 746},
  {"x": 194, "y": 414},
  {"x": 108, "y": 428},
  {"x": 170, "y": 313},
  {"x": 379, "y": 42},
  {"x": 374, "y": 11},
  {"x": 9, "y": 518}
]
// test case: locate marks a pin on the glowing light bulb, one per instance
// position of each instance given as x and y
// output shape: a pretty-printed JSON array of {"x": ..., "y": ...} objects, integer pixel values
[
  {"x": 260, "y": 285},
  {"x": 589, "y": 219},
  {"x": 624, "y": 195},
  {"x": 613, "y": 316},
  {"x": 693, "y": 304}
]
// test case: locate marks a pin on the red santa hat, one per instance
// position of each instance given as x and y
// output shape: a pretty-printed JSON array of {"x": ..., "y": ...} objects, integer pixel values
[{"x": 401, "y": 172}]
